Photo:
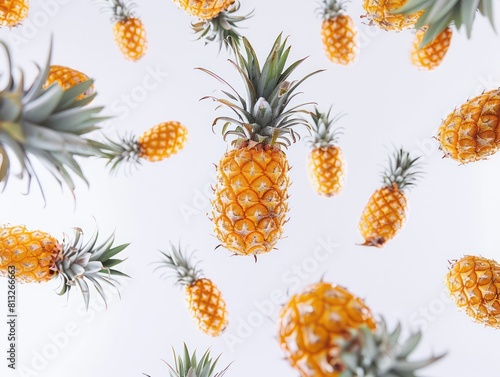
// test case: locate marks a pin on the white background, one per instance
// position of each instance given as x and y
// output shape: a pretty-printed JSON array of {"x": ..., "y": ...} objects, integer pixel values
[{"x": 388, "y": 102}]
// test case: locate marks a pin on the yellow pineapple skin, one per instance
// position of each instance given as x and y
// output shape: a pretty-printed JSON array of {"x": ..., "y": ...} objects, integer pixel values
[
  {"x": 13, "y": 12},
  {"x": 379, "y": 12},
  {"x": 311, "y": 324},
  {"x": 474, "y": 285},
  {"x": 384, "y": 216},
  {"x": 471, "y": 132},
  {"x": 207, "y": 307},
  {"x": 130, "y": 36},
  {"x": 430, "y": 57},
  {"x": 163, "y": 141},
  {"x": 204, "y": 9},
  {"x": 327, "y": 170},
  {"x": 251, "y": 199},
  {"x": 32, "y": 253},
  {"x": 67, "y": 78},
  {"x": 340, "y": 39}
]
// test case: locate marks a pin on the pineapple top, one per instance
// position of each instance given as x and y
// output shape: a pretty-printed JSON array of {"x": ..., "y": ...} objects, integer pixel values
[
  {"x": 328, "y": 9},
  {"x": 262, "y": 113},
  {"x": 441, "y": 14},
  {"x": 403, "y": 171},
  {"x": 184, "y": 270},
  {"x": 381, "y": 353},
  {"x": 121, "y": 10},
  {"x": 323, "y": 132}
]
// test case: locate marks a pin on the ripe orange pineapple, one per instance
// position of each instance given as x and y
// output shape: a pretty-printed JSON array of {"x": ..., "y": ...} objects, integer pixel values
[
  {"x": 13, "y": 12},
  {"x": 326, "y": 164},
  {"x": 129, "y": 31},
  {"x": 474, "y": 285},
  {"x": 430, "y": 56},
  {"x": 381, "y": 12},
  {"x": 204, "y": 300},
  {"x": 38, "y": 257},
  {"x": 338, "y": 32},
  {"x": 68, "y": 78},
  {"x": 386, "y": 211},
  {"x": 204, "y": 9},
  {"x": 251, "y": 194},
  {"x": 472, "y": 131}
]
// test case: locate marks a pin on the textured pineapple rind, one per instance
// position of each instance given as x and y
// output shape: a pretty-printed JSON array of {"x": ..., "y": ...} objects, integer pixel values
[
  {"x": 340, "y": 39},
  {"x": 163, "y": 141},
  {"x": 327, "y": 170},
  {"x": 13, "y": 12},
  {"x": 204, "y": 9},
  {"x": 380, "y": 13},
  {"x": 431, "y": 56},
  {"x": 130, "y": 36}
]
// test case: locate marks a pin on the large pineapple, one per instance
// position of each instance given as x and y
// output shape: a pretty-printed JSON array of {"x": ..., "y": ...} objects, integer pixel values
[
  {"x": 13, "y": 12},
  {"x": 48, "y": 125},
  {"x": 326, "y": 163},
  {"x": 386, "y": 211},
  {"x": 312, "y": 324},
  {"x": 430, "y": 56},
  {"x": 472, "y": 131},
  {"x": 38, "y": 257},
  {"x": 67, "y": 78},
  {"x": 474, "y": 285},
  {"x": 251, "y": 194},
  {"x": 338, "y": 33},
  {"x": 204, "y": 299},
  {"x": 204, "y": 9},
  {"x": 381, "y": 13}
]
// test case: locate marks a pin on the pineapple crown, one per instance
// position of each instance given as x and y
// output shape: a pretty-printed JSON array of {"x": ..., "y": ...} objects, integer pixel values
[
  {"x": 179, "y": 263},
  {"x": 118, "y": 153},
  {"x": 221, "y": 27},
  {"x": 328, "y": 9},
  {"x": 262, "y": 116},
  {"x": 403, "y": 171},
  {"x": 380, "y": 353},
  {"x": 441, "y": 14},
  {"x": 323, "y": 132},
  {"x": 80, "y": 264},
  {"x": 120, "y": 10},
  {"x": 47, "y": 124}
]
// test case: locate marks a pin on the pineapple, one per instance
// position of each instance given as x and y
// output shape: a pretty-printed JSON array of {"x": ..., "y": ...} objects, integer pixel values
[
  {"x": 430, "y": 56},
  {"x": 48, "y": 125},
  {"x": 67, "y": 78},
  {"x": 472, "y": 131},
  {"x": 386, "y": 211},
  {"x": 251, "y": 194},
  {"x": 474, "y": 285},
  {"x": 204, "y": 300},
  {"x": 13, "y": 12},
  {"x": 128, "y": 30},
  {"x": 381, "y": 13},
  {"x": 326, "y": 163},
  {"x": 338, "y": 32},
  {"x": 38, "y": 257},
  {"x": 313, "y": 322},
  {"x": 439, "y": 15},
  {"x": 204, "y": 9}
]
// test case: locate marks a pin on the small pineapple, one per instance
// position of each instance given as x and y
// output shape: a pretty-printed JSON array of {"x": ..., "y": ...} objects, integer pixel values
[
  {"x": 326, "y": 163},
  {"x": 386, "y": 211},
  {"x": 382, "y": 13},
  {"x": 472, "y": 131},
  {"x": 204, "y": 300},
  {"x": 338, "y": 33},
  {"x": 430, "y": 56},
  {"x": 204, "y": 9},
  {"x": 128, "y": 29},
  {"x": 38, "y": 257},
  {"x": 474, "y": 286},
  {"x": 312, "y": 324},
  {"x": 13, "y": 12},
  {"x": 67, "y": 78}
]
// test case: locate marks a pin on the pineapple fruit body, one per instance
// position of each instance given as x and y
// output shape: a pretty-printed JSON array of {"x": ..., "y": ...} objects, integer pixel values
[
  {"x": 380, "y": 13},
  {"x": 67, "y": 78},
  {"x": 130, "y": 36},
  {"x": 430, "y": 56},
  {"x": 13, "y": 12},
  {"x": 327, "y": 170},
  {"x": 313, "y": 322},
  {"x": 340, "y": 39},
  {"x": 162, "y": 141},
  {"x": 204, "y": 9}
]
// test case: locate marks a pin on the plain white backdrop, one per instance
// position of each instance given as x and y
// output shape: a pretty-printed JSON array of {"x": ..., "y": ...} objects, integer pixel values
[{"x": 453, "y": 209}]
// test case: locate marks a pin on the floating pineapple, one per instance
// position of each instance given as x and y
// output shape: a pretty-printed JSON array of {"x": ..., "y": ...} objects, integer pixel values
[
  {"x": 381, "y": 13},
  {"x": 204, "y": 9},
  {"x": 439, "y": 15},
  {"x": 326, "y": 164},
  {"x": 474, "y": 285},
  {"x": 67, "y": 78},
  {"x": 204, "y": 300},
  {"x": 48, "y": 125},
  {"x": 128, "y": 30},
  {"x": 38, "y": 257},
  {"x": 386, "y": 211},
  {"x": 251, "y": 193},
  {"x": 338, "y": 32},
  {"x": 13, "y": 12},
  {"x": 430, "y": 56},
  {"x": 155, "y": 144}
]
